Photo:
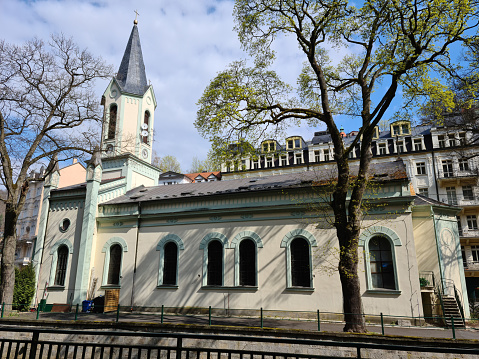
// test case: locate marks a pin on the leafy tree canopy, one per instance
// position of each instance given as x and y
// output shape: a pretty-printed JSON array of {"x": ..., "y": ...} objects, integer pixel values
[{"x": 356, "y": 59}]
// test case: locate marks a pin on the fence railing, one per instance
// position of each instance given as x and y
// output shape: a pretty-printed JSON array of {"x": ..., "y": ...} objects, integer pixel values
[
  {"x": 33, "y": 343},
  {"x": 260, "y": 318}
]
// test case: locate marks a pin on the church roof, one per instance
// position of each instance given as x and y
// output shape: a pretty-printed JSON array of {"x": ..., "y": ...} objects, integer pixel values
[
  {"x": 384, "y": 172},
  {"x": 132, "y": 76}
]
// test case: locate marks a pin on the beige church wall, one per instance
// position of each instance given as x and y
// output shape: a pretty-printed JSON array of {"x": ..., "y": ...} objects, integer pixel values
[
  {"x": 73, "y": 210},
  {"x": 71, "y": 175},
  {"x": 425, "y": 240},
  {"x": 130, "y": 123},
  {"x": 138, "y": 179},
  {"x": 272, "y": 292},
  {"x": 408, "y": 300}
]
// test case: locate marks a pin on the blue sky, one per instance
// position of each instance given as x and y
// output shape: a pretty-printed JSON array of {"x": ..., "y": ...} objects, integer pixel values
[{"x": 185, "y": 43}]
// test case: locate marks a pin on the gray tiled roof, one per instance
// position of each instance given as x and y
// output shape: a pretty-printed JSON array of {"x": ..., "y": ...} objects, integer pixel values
[
  {"x": 131, "y": 75},
  {"x": 383, "y": 172}
]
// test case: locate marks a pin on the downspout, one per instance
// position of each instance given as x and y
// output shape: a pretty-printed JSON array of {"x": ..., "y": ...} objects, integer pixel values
[
  {"x": 136, "y": 256},
  {"x": 435, "y": 175}
]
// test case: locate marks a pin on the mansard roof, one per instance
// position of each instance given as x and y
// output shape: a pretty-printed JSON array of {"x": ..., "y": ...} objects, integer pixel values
[
  {"x": 131, "y": 76},
  {"x": 384, "y": 172}
]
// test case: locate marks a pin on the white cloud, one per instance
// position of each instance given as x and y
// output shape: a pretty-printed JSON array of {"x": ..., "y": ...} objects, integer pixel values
[{"x": 184, "y": 43}]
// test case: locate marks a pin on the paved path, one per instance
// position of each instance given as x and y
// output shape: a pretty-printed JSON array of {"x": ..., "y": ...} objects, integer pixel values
[{"x": 425, "y": 332}]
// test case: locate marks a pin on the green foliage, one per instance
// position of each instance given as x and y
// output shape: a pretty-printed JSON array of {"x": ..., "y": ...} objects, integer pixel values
[
  {"x": 166, "y": 163},
  {"x": 24, "y": 288},
  {"x": 423, "y": 282}
]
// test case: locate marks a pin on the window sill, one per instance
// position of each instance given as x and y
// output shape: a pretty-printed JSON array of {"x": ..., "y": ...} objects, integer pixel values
[
  {"x": 383, "y": 291},
  {"x": 222, "y": 287},
  {"x": 166, "y": 286},
  {"x": 300, "y": 289},
  {"x": 56, "y": 288},
  {"x": 110, "y": 286}
]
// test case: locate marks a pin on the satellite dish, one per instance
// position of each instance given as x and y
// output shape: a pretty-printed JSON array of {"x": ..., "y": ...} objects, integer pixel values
[
  {"x": 144, "y": 133},
  {"x": 144, "y": 126}
]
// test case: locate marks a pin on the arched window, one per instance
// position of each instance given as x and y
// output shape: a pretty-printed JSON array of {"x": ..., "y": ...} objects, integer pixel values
[
  {"x": 381, "y": 263},
  {"x": 170, "y": 263},
  {"x": 215, "y": 263},
  {"x": 247, "y": 263},
  {"x": 147, "y": 123},
  {"x": 114, "y": 265},
  {"x": 62, "y": 261},
  {"x": 300, "y": 263},
  {"x": 112, "y": 122}
]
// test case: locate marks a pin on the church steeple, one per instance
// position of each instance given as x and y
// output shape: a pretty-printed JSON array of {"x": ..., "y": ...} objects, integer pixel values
[
  {"x": 131, "y": 75},
  {"x": 129, "y": 103}
]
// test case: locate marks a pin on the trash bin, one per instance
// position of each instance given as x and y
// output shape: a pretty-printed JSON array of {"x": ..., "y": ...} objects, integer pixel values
[
  {"x": 86, "y": 306},
  {"x": 98, "y": 304}
]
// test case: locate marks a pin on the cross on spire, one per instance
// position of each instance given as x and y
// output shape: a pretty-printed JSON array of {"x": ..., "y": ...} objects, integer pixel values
[{"x": 136, "y": 17}]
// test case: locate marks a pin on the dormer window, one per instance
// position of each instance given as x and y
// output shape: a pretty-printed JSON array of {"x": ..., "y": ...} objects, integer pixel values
[
  {"x": 269, "y": 146},
  {"x": 326, "y": 155},
  {"x": 442, "y": 141},
  {"x": 417, "y": 144},
  {"x": 400, "y": 128},
  {"x": 112, "y": 122},
  {"x": 452, "y": 140},
  {"x": 376, "y": 133},
  {"x": 294, "y": 143},
  {"x": 382, "y": 148}
]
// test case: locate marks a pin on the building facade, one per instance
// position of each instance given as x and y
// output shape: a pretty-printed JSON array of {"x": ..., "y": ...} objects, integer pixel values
[
  {"x": 29, "y": 218},
  {"x": 439, "y": 162},
  {"x": 263, "y": 240}
]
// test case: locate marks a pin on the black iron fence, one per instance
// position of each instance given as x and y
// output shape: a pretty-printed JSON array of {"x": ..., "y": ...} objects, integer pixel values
[
  {"x": 260, "y": 318},
  {"x": 34, "y": 343}
]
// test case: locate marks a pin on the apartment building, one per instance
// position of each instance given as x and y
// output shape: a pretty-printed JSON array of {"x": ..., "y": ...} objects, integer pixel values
[{"x": 440, "y": 162}]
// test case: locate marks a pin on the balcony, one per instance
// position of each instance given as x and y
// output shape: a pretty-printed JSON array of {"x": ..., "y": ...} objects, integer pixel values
[
  {"x": 460, "y": 200},
  {"x": 450, "y": 177},
  {"x": 469, "y": 233},
  {"x": 470, "y": 267}
]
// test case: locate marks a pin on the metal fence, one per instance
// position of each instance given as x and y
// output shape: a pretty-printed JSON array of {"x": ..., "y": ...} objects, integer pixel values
[
  {"x": 260, "y": 318},
  {"x": 33, "y": 344}
]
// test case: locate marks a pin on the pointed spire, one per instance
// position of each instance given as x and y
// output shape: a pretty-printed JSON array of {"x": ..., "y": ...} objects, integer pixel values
[{"x": 131, "y": 75}]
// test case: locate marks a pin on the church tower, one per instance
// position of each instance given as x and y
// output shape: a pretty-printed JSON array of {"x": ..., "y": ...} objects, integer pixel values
[{"x": 129, "y": 106}]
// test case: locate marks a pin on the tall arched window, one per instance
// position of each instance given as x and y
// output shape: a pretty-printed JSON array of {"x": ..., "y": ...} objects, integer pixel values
[
  {"x": 62, "y": 261},
  {"x": 247, "y": 262},
  {"x": 147, "y": 123},
  {"x": 215, "y": 263},
  {"x": 114, "y": 265},
  {"x": 170, "y": 263},
  {"x": 112, "y": 122},
  {"x": 381, "y": 263},
  {"x": 300, "y": 263}
]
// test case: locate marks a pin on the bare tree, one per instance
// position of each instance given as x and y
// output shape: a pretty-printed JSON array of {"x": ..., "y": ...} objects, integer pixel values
[{"x": 48, "y": 110}]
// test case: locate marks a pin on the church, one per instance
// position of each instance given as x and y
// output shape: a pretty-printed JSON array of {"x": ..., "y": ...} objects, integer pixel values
[{"x": 235, "y": 245}]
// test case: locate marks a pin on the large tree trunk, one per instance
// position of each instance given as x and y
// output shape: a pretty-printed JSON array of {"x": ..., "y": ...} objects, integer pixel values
[
  {"x": 348, "y": 273},
  {"x": 8, "y": 257}
]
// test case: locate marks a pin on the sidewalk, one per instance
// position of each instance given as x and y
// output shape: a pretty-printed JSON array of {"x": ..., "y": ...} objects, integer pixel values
[{"x": 425, "y": 332}]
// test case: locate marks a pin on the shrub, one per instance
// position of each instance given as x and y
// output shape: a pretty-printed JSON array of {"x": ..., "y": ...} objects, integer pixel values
[{"x": 24, "y": 288}]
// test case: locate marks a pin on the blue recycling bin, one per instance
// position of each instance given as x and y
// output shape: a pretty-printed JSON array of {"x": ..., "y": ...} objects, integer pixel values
[{"x": 86, "y": 306}]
